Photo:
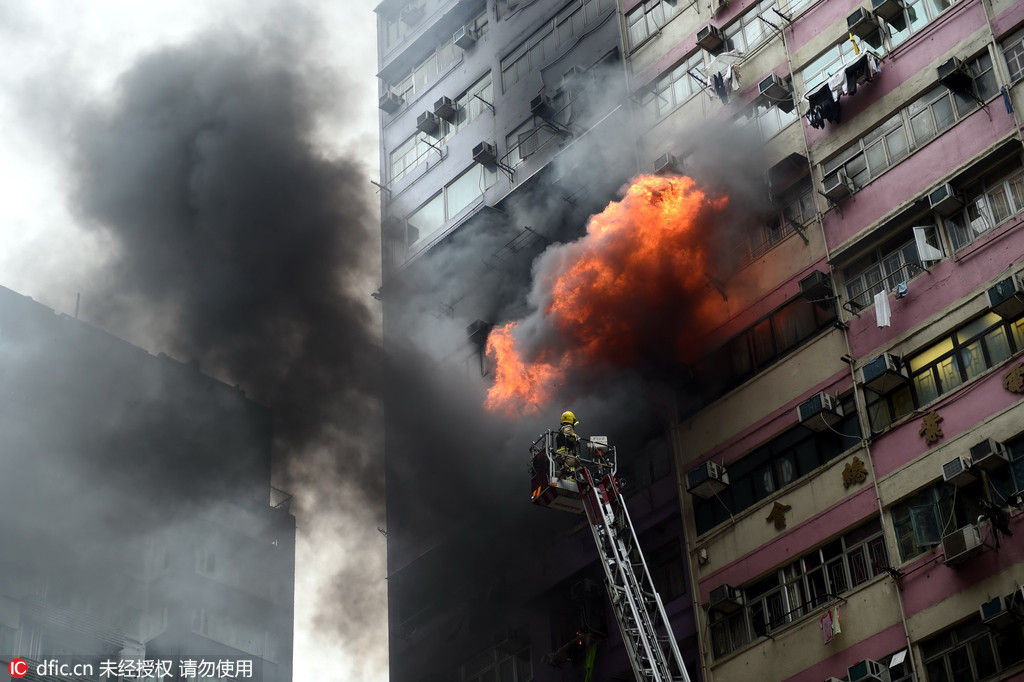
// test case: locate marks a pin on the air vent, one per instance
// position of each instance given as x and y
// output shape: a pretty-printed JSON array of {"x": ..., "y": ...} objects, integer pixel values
[
  {"x": 428, "y": 123},
  {"x": 820, "y": 412},
  {"x": 1006, "y": 298},
  {"x": 390, "y": 102},
  {"x": 989, "y": 455},
  {"x": 884, "y": 373},
  {"x": 485, "y": 153},
  {"x": 838, "y": 186},
  {"x": 464, "y": 38},
  {"x": 861, "y": 23},
  {"x": 954, "y": 74},
  {"x": 710, "y": 38},
  {"x": 961, "y": 545},
  {"x": 868, "y": 671},
  {"x": 707, "y": 480},
  {"x": 957, "y": 471},
  {"x": 944, "y": 201},
  {"x": 726, "y": 599},
  {"x": 888, "y": 9}
]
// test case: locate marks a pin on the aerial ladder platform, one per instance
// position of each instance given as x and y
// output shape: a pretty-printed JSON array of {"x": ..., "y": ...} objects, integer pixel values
[{"x": 581, "y": 479}]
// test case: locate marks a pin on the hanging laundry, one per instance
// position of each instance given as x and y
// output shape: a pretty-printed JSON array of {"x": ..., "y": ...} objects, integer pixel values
[
  {"x": 718, "y": 84},
  {"x": 883, "y": 314},
  {"x": 837, "y": 85},
  {"x": 825, "y": 623},
  {"x": 823, "y": 106},
  {"x": 836, "y": 628}
]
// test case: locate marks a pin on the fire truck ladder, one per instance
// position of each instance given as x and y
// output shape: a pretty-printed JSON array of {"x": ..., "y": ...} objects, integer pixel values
[{"x": 653, "y": 651}]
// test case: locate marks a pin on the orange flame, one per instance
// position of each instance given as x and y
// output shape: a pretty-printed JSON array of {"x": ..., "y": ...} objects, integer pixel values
[{"x": 630, "y": 292}]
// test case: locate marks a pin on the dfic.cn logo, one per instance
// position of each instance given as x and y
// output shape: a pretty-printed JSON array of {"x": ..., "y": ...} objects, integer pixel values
[{"x": 18, "y": 667}]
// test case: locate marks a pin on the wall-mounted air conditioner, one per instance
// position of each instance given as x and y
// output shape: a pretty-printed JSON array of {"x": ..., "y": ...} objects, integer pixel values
[
  {"x": 944, "y": 201},
  {"x": 955, "y": 75},
  {"x": 465, "y": 37},
  {"x": 958, "y": 471},
  {"x": 477, "y": 332},
  {"x": 819, "y": 412},
  {"x": 838, "y": 186},
  {"x": 776, "y": 91},
  {"x": 542, "y": 106},
  {"x": 1006, "y": 298},
  {"x": 666, "y": 164},
  {"x": 989, "y": 455},
  {"x": 884, "y": 373},
  {"x": 390, "y": 102},
  {"x": 816, "y": 287},
  {"x": 707, "y": 480},
  {"x": 485, "y": 154},
  {"x": 961, "y": 545},
  {"x": 726, "y": 599},
  {"x": 411, "y": 14},
  {"x": 995, "y": 613},
  {"x": 445, "y": 108},
  {"x": 887, "y": 9},
  {"x": 710, "y": 38},
  {"x": 861, "y": 23},
  {"x": 868, "y": 671},
  {"x": 428, "y": 123}
]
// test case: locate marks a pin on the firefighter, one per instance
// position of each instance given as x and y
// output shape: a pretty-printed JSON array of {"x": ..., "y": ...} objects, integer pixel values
[{"x": 567, "y": 443}]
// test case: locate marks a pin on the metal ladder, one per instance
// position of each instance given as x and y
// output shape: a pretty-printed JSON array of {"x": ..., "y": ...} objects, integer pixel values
[{"x": 653, "y": 651}]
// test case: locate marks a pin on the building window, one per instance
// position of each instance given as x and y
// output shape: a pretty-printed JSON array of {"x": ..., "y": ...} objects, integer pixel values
[
  {"x": 916, "y": 15},
  {"x": 975, "y": 347},
  {"x": 673, "y": 88},
  {"x": 493, "y": 665},
  {"x": 448, "y": 203},
  {"x": 528, "y": 139},
  {"x": 646, "y": 467},
  {"x": 987, "y": 203},
  {"x": 564, "y": 28},
  {"x": 837, "y": 57},
  {"x": 895, "y": 262},
  {"x": 910, "y": 128},
  {"x": 647, "y": 19},
  {"x": 750, "y": 30},
  {"x": 775, "y": 465},
  {"x": 801, "y": 587},
  {"x": 666, "y": 568},
  {"x": 971, "y": 652},
  {"x": 758, "y": 347},
  {"x": 795, "y": 208},
  {"x": 770, "y": 119},
  {"x": 1013, "y": 52}
]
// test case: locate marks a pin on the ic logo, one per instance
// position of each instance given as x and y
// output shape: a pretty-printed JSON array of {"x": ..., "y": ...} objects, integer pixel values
[{"x": 18, "y": 667}]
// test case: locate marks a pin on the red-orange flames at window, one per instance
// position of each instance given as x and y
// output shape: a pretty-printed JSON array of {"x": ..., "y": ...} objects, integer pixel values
[{"x": 630, "y": 293}]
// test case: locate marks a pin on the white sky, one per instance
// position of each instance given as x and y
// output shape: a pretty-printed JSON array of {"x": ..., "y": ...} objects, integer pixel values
[{"x": 47, "y": 44}]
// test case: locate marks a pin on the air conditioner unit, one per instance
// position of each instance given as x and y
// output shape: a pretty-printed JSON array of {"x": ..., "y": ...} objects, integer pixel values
[
  {"x": 816, "y": 287},
  {"x": 710, "y": 38},
  {"x": 989, "y": 455},
  {"x": 464, "y": 38},
  {"x": 411, "y": 14},
  {"x": 868, "y": 671},
  {"x": 542, "y": 106},
  {"x": 861, "y": 23},
  {"x": 954, "y": 74},
  {"x": 707, "y": 480},
  {"x": 944, "y": 201},
  {"x": 390, "y": 102},
  {"x": 666, "y": 163},
  {"x": 884, "y": 373},
  {"x": 961, "y": 545},
  {"x": 819, "y": 412},
  {"x": 428, "y": 123},
  {"x": 838, "y": 187},
  {"x": 477, "y": 332},
  {"x": 485, "y": 154},
  {"x": 726, "y": 599},
  {"x": 445, "y": 108},
  {"x": 774, "y": 88},
  {"x": 995, "y": 613},
  {"x": 1006, "y": 298},
  {"x": 887, "y": 9},
  {"x": 958, "y": 471},
  {"x": 527, "y": 144}
]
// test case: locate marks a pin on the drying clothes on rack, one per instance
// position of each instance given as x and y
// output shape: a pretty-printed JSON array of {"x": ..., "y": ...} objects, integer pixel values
[
  {"x": 823, "y": 106},
  {"x": 860, "y": 71}
]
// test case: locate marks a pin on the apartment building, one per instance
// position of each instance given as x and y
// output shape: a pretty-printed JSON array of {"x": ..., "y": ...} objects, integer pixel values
[
  {"x": 138, "y": 519},
  {"x": 501, "y": 131},
  {"x": 851, "y": 444}
]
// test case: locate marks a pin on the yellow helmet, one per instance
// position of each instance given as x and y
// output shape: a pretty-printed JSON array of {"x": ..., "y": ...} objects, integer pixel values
[{"x": 569, "y": 418}]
